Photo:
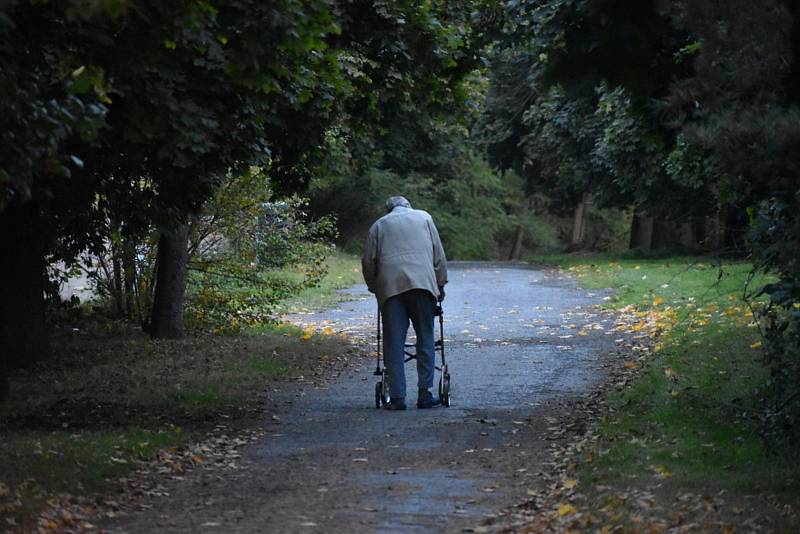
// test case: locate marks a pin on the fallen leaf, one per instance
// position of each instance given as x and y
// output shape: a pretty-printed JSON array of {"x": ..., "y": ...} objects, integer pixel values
[
  {"x": 663, "y": 471},
  {"x": 570, "y": 483},
  {"x": 566, "y": 509}
]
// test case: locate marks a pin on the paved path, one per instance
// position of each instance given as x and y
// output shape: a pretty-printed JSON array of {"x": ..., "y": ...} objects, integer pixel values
[{"x": 517, "y": 341}]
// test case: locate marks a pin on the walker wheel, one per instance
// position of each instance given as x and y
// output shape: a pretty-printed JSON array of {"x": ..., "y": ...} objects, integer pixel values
[{"x": 444, "y": 389}]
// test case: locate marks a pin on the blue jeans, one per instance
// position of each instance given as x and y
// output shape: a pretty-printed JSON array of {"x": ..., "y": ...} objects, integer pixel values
[{"x": 418, "y": 306}]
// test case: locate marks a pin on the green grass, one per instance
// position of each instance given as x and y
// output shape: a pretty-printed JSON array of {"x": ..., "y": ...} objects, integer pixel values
[
  {"x": 343, "y": 271},
  {"x": 690, "y": 419},
  {"x": 675, "y": 279},
  {"x": 202, "y": 399},
  {"x": 263, "y": 364},
  {"x": 45, "y": 463}
]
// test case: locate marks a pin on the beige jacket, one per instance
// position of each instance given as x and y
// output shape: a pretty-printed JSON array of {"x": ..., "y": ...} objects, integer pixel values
[{"x": 403, "y": 252}]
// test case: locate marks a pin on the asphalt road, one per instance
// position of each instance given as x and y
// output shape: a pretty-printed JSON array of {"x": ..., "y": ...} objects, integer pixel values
[{"x": 518, "y": 341}]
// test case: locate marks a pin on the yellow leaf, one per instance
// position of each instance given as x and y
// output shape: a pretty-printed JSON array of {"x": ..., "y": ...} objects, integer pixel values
[
  {"x": 663, "y": 471},
  {"x": 731, "y": 311},
  {"x": 328, "y": 331},
  {"x": 631, "y": 365},
  {"x": 669, "y": 372},
  {"x": 566, "y": 509},
  {"x": 570, "y": 483},
  {"x": 657, "y": 301},
  {"x": 675, "y": 392},
  {"x": 756, "y": 345}
]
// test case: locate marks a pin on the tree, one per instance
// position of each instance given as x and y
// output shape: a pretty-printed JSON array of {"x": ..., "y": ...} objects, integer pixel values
[
  {"x": 697, "y": 114},
  {"x": 47, "y": 99}
]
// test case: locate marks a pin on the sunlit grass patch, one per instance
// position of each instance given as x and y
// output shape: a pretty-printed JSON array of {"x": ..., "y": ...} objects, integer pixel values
[
  {"x": 343, "y": 271},
  {"x": 690, "y": 419}
]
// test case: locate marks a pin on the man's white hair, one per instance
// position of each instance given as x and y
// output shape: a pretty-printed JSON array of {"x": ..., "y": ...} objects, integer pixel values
[{"x": 397, "y": 201}]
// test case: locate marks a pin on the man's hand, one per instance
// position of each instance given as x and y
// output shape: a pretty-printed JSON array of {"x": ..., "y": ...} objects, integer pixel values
[{"x": 441, "y": 293}]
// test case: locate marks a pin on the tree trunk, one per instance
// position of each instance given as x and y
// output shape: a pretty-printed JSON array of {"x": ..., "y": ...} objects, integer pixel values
[
  {"x": 711, "y": 233},
  {"x": 116, "y": 263},
  {"x": 734, "y": 231},
  {"x": 167, "y": 317},
  {"x": 4, "y": 386},
  {"x": 23, "y": 334},
  {"x": 516, "y": 249},
  {"x": 129, "y": 280},
  {"x": 579, "y": 221},
  {"x": 641, "y": 232}
]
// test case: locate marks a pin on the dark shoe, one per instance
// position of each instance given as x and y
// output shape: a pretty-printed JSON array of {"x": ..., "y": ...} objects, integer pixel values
[
  {"x": 427, "y": 400},
  {"x": 395, "y": 404}
]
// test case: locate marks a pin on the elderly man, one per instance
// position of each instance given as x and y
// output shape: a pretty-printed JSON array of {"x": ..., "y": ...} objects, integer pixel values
[{"x": 405, "y": 266}]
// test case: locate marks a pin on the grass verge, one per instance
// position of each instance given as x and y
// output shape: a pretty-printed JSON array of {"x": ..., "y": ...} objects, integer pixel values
[
  {"x": 343, "y": 271},
  {"x": 689, "y": 422}
]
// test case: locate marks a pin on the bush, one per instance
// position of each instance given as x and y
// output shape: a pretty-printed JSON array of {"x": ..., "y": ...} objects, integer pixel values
[
  {"x": 775, "y": 240},
  {"x": 252, "y": 252}
]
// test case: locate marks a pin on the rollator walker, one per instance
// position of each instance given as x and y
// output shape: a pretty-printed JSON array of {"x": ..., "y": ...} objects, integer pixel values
[{"x": 382, "y": 386}]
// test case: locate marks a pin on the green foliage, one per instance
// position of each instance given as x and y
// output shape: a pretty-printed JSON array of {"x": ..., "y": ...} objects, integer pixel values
[
  {"x": 242, "y": 246},
  {"x": 469, "y": 201},
  {"x": 47, "y": 96},
  {"x": 775, "y": 236},
  {"x": 343, "y": 271}
]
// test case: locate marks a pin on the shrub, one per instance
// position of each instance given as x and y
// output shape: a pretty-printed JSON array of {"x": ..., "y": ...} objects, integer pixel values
[{"x": 775, "y": 240}]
